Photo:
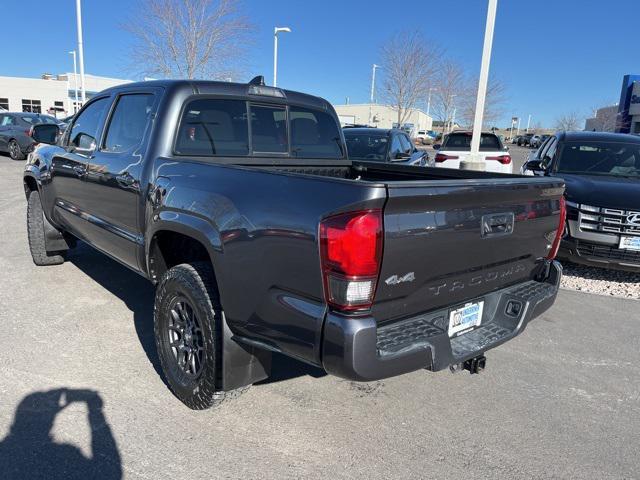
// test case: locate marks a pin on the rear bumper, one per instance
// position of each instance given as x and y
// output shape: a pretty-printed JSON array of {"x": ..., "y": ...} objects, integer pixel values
[
  {"x": 599, "y": 255},
  {"x": 356, "y": 349}
]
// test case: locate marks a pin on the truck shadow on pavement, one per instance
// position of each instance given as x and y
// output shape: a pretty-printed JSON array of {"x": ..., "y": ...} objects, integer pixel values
[
  {"x": 138, "y": 295},
  {"x": 29, "y": 450}
]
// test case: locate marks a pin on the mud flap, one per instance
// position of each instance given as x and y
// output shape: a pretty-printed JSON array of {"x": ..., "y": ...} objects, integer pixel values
[{"x": 242, "y": 364}]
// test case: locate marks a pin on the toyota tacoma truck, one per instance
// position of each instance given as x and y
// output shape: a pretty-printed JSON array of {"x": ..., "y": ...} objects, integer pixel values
[{"x": 240, "y": 204}]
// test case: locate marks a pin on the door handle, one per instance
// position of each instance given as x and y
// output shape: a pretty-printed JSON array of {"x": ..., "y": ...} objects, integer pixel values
[
  {"x": 80, "y": 170},
  {"x": 125, "y": 179}
]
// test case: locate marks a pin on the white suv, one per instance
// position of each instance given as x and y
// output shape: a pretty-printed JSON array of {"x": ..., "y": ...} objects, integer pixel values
[{"x": 457, "y": 147}]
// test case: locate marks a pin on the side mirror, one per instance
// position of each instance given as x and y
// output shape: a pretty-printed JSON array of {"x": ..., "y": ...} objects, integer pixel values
[
  {"x": 436, "y": 146},
  {"x": 535, "y": 166},
  {"x": 45, "y": 133},
  {"x": 85, "y": 144}
]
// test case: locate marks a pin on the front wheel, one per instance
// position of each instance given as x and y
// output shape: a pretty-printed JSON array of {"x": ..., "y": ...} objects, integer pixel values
[{"x": 188, "y": 326}]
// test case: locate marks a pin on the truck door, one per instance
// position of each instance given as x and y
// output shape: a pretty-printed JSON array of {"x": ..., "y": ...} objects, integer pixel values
[
  {"x": 66, "y": 195},
  {"x": 114, "y": 172}
]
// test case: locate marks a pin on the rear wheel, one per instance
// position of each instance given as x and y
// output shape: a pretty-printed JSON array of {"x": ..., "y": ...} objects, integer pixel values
[
  {"x": 36, "y": 233},
  {"x": 187, "y": 325},
  {"x": 15, "y": 152}
]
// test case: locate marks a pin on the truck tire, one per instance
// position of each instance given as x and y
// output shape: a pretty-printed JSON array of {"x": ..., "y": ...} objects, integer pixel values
[
  {"x": 35, "y": 234},
  {"x": 188, "y": 332}
]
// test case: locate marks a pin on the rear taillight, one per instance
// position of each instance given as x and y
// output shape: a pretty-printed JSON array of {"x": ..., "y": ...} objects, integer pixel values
[
  {"x": 503, "y": 159},
  {"x": 351, "y": 252},
  {"x": 441, "y": 157},
  {"x": 555, "y": 246}
]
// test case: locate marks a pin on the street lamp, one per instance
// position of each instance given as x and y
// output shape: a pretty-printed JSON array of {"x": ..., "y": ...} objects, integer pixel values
[
  {"x": 275, "y": 51},
  {"x": 80, "y": 48},
  {"x": 373, "y": 86},
  {"x": 75, "y": 79}
]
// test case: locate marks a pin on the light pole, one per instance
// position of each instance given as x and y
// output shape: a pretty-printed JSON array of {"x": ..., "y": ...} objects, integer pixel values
[
  {"x": 476, "y": 162},
  {"x": 80, "y": 49},
  {"x": 429, "y": 99},
  {"x": 75, "y": 80},
  {"x": 373, "y": 87},
  {"x": 528, "y": 123},
  {"x": 275, "y": 51}
]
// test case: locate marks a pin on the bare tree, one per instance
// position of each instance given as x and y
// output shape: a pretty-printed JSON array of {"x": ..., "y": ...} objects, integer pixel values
[
  {"x": 448, "y": 90},
  {"x": 493, "y": 104},
  {"x": 569, "y": 121},
  {"x": 188, "y": 38},
  {"x": 409, "y": 64}
]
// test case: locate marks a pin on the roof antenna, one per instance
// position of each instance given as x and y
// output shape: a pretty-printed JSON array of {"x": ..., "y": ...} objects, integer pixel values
[{"x": 259, "y": 80}]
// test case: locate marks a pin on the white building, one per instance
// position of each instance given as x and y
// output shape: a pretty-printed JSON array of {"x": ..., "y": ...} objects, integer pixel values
[
  {"x": 53, "y": 94},
  {"x": 381, "y": 116}
]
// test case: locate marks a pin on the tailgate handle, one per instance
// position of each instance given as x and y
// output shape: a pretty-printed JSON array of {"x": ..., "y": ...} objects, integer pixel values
[{"x": 497, "y": 224}]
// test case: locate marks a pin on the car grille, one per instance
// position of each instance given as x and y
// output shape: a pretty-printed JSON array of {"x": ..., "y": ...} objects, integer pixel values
[
  {"x": 607, "y": 252},
  {"x": 607, "y": 220}
]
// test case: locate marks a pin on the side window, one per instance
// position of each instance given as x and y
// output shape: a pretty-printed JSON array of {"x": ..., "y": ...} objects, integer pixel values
[
  {"x": 540, "y": 153},
  {"x": 269, "y": 129},
  {"x": 406, "y": 144},
  {"x": 212, "y": 127},
  {"x": 128, "y": 122},
  {"x": 8, "y": 120},
  {"x": 550, "y": 153},
  {"x": 314, "y": 134},
  {"x": 85, "y": 130},
  {"x": 396, "y": 146}
]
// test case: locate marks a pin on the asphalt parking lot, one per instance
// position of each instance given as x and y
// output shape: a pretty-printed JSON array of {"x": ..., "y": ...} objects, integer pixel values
[{"x": 81, "y": 396}]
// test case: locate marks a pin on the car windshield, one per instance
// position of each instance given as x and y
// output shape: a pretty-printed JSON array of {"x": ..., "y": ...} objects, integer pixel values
[
  {"x": 367, "y": 146},
  {"x": 462, "y": 141},
  {"x": 38, "y": 119},
  {"x": 600, "y": 158}
]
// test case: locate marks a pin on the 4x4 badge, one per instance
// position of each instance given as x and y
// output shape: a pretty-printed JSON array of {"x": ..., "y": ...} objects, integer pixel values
[{"x": 395, "y": 279}]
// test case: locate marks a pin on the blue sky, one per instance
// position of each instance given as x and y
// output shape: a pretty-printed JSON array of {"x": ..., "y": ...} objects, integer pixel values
[{"x": 555, "y": 56}]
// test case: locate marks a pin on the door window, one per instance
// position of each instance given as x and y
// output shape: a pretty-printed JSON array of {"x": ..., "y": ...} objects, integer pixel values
[
  {"x": 269, "y": 129},
  {"x": 85, "y": 130},
  {"x": 547, "y": 158},
  {"x": 7, "y": 121},
  {"x": 128, "y": 122},
  {"x": 396, "y": 146},
  {"x": 406, "y": 144}
]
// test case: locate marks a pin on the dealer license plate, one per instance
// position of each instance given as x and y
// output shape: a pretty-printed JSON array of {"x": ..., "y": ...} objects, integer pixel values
[
  {"x": 465, "y": 318},
  {"x": 630, "y": 243}
]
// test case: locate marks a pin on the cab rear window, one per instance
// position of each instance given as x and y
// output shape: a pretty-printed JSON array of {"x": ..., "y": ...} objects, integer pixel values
[
  {"x": 211, "y": 127},
  {"x": 221, "y": 127}
]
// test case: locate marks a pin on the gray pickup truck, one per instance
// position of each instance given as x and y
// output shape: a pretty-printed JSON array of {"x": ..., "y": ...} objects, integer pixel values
[{"x": 238, "y": 201}]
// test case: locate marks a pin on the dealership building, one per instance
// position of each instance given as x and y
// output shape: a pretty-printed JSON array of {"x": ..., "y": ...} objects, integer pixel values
[
  {"x": 54, "y": 94},
  {"x": 381, "y": 116}
]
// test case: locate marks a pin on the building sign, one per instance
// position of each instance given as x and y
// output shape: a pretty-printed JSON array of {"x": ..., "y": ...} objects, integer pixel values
[{"x": 634, "y": 104}]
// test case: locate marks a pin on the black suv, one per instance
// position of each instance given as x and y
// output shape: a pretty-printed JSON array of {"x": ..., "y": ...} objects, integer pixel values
[{"x": 602, "y": 174}]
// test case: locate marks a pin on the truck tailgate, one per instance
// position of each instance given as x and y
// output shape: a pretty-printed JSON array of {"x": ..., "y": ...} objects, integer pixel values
[{"x": 449, "y": 242}]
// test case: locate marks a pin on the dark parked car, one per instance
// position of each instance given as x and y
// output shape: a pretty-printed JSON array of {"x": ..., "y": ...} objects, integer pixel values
[
  {"x": 380, "y": 145},
  {"x": 602, "y": 174},
  {"x": 538, "y": 140},
  {"x": 524, "y": 140},
  {"x": 15, "y": 132},
  {"x": 239, "y": 203}
]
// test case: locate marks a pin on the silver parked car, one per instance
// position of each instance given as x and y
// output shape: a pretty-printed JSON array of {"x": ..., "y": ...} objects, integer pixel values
[{"x": 15, "y": 131}]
